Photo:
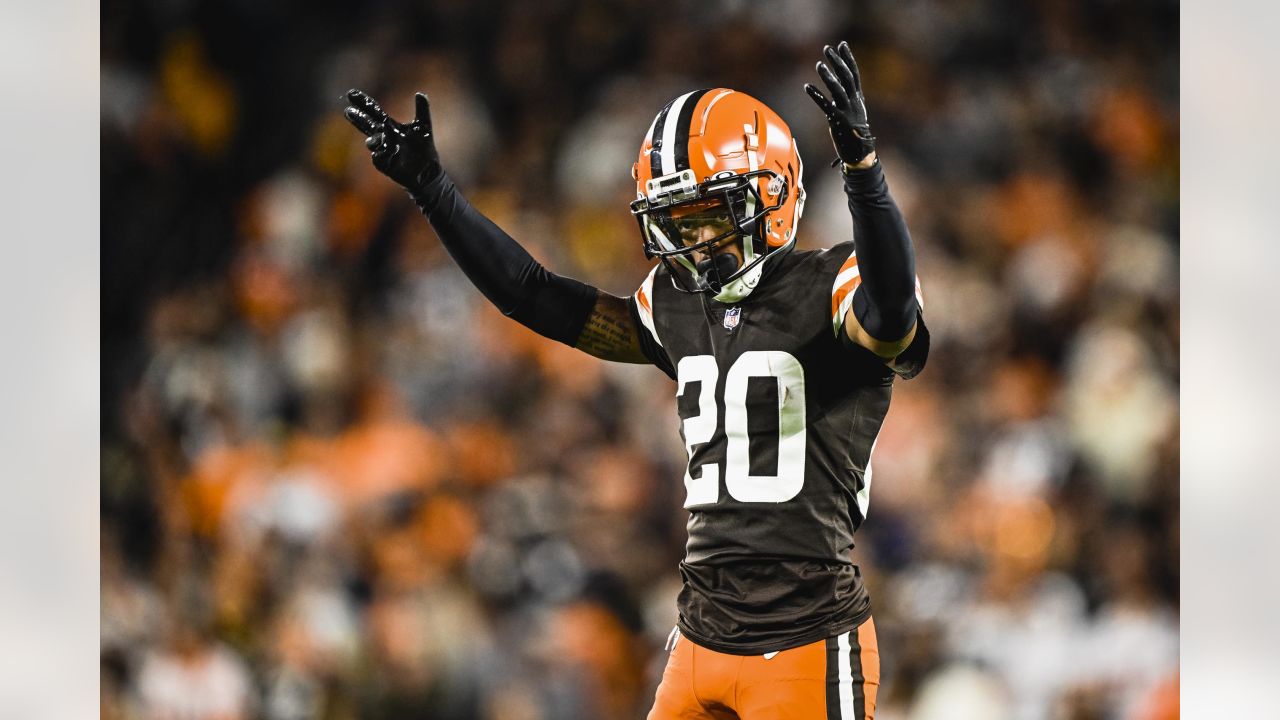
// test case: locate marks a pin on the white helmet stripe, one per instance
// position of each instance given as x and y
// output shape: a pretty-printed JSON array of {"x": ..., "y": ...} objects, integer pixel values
[{"x": 669, "y": 130}]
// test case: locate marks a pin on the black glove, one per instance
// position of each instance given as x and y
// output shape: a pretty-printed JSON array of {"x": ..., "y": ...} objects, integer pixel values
[
  {"x": 404, "y": 153},
  {"x": 846, "y": 113}
]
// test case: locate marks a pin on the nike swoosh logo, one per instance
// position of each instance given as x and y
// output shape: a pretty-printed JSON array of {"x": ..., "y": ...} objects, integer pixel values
[{"x": 769, "y": 656}]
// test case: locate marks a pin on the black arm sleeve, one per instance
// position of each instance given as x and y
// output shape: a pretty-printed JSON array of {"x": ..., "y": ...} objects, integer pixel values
[
  {"x": 885, "y": 302},
  {"x": 552, "y": 306}
]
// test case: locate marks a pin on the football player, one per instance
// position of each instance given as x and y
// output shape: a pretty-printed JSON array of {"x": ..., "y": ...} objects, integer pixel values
[{"x": 784, "y": 364}]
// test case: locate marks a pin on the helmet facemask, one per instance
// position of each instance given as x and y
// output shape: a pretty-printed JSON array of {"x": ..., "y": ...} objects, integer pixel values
[
  {"x": 694, "y": 229},
  {"x": 719, "y": 191}
]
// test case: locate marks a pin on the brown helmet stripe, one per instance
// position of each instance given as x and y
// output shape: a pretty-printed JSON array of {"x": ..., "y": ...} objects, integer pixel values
[
  {"x": 655, "y": 140},
  {"x": 681, "y": 150},
  {"x": 671, "y": 134}
]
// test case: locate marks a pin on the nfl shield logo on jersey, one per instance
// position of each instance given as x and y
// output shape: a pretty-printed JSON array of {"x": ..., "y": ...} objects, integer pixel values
[{"x": 731, "y": 318}]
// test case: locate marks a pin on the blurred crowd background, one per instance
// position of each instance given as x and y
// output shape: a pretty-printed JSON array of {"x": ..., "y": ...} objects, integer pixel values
[{"x": 337, "y": 484}]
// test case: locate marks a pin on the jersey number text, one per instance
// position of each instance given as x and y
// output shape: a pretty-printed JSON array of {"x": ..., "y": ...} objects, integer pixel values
[{"x": 738, "y": 480}]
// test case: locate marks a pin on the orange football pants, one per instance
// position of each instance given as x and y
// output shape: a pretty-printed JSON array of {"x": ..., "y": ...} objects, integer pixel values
[{"x": 832, "y": 679}]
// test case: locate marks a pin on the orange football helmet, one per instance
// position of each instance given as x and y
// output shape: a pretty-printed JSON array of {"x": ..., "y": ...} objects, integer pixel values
[{"x": 718, "y": 167}]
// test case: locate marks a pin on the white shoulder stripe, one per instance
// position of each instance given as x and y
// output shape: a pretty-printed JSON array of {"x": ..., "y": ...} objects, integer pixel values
[
  {"x": 837, "y": 319},
  {"x": 644, "y": 304},
  {"x": 847, "y": 280},
  {"x": 844, "y": 277}
]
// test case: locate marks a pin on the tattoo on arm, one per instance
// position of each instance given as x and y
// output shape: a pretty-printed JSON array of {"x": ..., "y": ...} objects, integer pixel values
[{"x": 610, "y": 332}]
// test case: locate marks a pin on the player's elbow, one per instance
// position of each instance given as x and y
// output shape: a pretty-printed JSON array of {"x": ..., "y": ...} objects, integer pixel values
[{"x": 886, "y": 349}]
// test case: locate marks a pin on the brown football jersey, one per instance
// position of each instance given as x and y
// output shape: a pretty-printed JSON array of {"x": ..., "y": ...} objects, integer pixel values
[{"x": 779, "y": 415}]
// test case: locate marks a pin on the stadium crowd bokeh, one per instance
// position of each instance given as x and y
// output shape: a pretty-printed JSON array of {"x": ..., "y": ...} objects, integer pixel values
[{"x": 336, "y": 483}]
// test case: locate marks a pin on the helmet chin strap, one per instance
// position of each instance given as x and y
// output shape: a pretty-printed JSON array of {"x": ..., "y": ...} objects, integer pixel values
[
  {"x": 718, "y": 266},
  {"x": 741, "y": 287}
]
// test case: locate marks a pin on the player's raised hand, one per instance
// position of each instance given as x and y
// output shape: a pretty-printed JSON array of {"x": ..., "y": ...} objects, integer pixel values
[
  {"x": 403, "y": 152},
  {"x": 845, "y": 110}
]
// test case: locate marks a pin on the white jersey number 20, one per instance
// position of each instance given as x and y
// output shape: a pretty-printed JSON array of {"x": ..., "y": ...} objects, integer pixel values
[{"x": 699, "y": 429}]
